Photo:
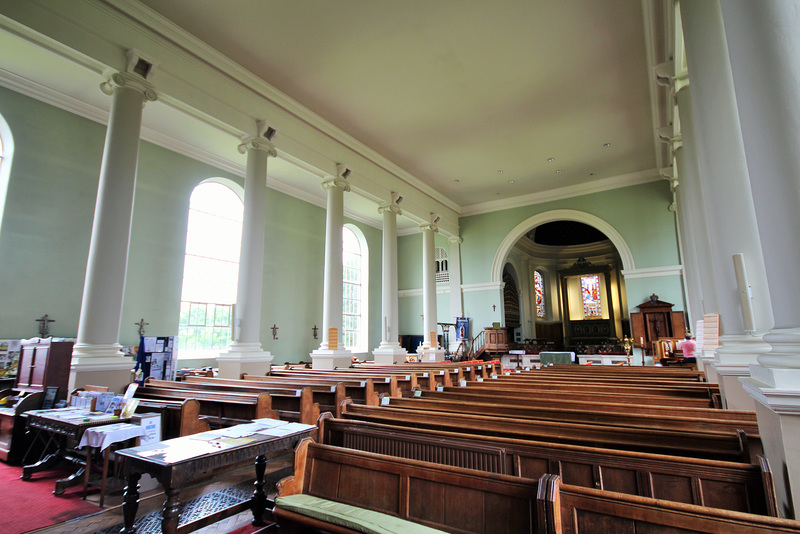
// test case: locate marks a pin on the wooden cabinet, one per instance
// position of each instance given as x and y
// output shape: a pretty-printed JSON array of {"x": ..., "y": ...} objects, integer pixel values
[
  {"x": 44, "y": 363},
  {"x": 655, "y": 319},
  {"x": 12, "y": 425}
]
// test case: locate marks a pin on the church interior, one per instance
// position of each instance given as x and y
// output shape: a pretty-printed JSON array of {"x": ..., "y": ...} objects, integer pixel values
[{"x": 429, "y": 266}]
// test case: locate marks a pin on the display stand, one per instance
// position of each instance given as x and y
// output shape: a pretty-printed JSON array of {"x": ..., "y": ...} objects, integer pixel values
[{"x": 156, "y": 357}]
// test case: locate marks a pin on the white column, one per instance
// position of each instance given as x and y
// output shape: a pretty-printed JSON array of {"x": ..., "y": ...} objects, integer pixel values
[
  {"x": 454, "y": 271},
  {"x": 696, "y": 241},
  {"x": 728, "y": 202},
  {"x": 390, "y": 350},
  {"x": 97, "y": 354},
  {"x": 245, "y": 354},
  {"x": 764, "y": 43},
  {"x": 331, "y": 352},
  {"x": 430, "y": 350}
]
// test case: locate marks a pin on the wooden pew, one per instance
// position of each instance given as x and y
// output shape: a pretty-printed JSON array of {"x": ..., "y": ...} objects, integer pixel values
[
  {"x": 629, "y": 370},
  {"x": 388, "y": 384},
  {"x": 523, "y": 398},
  {"x": 660, "y": 386},
  {"x": 220, "y": 408},
  {"x": 567, "y": 509},
  {"x": 360, "y": 391},
  {"x": 603, "y": 393},
  {"x": 710, "y": 445},
  {"x": 729, "y": 485},
  {"x": 286, "y": 404},
  {"x": 499, "y": 407},
  {"x": 441, "y": 497},
  {"x": 178, "y": 418},
  {"x": 327, "y": 397}
]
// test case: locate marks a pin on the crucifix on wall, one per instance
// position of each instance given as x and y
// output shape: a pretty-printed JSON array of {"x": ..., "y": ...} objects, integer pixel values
[
  {"x": 44, "y": 325},
  {"x": 274, "y": 329},
  {"x": 141, "y": 324}
]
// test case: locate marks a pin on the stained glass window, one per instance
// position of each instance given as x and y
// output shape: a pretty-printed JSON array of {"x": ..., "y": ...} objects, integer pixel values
[
  {"x": 590, "y": 291},
  {"x": 538, "y": 284}
]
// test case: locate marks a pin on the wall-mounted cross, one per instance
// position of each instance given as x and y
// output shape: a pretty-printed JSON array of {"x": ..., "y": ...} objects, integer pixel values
[
  {"x": 315, "y": 330},
  {"x": 44, "y": 325},
  {"x": 494, "y": 307},
  {"x": 274, "y": 329},
  {"x": 141, "y": 324}
]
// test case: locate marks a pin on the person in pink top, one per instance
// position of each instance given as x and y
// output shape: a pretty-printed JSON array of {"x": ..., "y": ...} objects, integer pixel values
[{"x": 687, "y": 346}]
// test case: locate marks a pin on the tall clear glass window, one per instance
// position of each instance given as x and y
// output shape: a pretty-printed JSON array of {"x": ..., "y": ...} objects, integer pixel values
[
  {"x": 352, "y": 278},
  {"x": 211, "y": 270}
]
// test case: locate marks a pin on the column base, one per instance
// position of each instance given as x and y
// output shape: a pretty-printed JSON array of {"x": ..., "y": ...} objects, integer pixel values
[
  {"x": 100, "y": 365},
  {"x": 430, "y": 355},
  {"x": 777, "y": 398},
  {"x": 390, "y": 353},
  {"x": 732, "y": 361},
  {"x": 242, "y": 359},
  {"x": 331, "y": 359},
  {"x": 734, "y": 397}
]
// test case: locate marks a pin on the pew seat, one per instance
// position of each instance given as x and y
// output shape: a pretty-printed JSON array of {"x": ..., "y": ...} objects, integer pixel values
[{"x": 440, "y": 497}]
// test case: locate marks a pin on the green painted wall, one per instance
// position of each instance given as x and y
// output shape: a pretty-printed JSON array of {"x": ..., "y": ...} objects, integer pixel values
[
  {"x": 44, "y": 237},
  {"x": 45, "y": 232},
  {"x": 639, "y": 213},
  {"x": 164, "y": 182}
]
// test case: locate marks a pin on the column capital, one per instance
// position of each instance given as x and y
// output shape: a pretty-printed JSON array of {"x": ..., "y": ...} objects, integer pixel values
[
  {"x": 390, "y": 207},
  {"x": 335, "y": 181},
  {"x": 455, "y": 240},
  {"x": 428, "y": 227},
  {"x": 131, "y": 81},
  {"x": 257, "y": 143}
]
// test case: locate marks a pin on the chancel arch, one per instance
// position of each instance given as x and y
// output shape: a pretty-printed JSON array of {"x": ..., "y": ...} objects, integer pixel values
[{"x": 566, "y": 255}]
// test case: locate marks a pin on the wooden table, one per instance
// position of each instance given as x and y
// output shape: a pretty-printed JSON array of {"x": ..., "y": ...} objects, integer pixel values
[
  {"x": 105, "y": 438},
  {"x": 178, "y": 462},
  {"x": 65, "y": 426}
]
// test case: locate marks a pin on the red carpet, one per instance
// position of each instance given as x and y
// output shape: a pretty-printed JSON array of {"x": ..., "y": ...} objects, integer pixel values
[{"x": 30, "y": 504}]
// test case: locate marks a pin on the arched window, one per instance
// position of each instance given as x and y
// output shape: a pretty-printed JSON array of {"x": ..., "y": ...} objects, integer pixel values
[
  {"x": 442, "y": 271},
  {"x": 538, "y": 285},
  {"x": 6, "y": 151},
  {"x": 210, "y": 271},
  {"x": 355, "y": 263}
]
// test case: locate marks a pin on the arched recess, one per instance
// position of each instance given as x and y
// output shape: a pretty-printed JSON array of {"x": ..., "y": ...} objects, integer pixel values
[{"x": 559, "y": 215}]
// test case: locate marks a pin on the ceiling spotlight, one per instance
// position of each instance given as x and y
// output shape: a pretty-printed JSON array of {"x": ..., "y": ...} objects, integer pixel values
[
  {"x": 500, "y": 171},
  {"x": 456, "y": 180},
  {"x": 511, "y": 181},
  {"x": 606, "y": 145},
  {"x": 591, "y": 174},
  {"x": 551, "y": 160},
  {"x": 559, "y": 170}
]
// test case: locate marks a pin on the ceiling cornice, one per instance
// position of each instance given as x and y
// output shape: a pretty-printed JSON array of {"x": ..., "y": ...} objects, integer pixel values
[
  {"x": 616, "y": 182},
  {"x": 78, "y": 107}
]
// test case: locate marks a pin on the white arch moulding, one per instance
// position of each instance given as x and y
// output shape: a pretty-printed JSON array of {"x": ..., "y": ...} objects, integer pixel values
[{"x": 560, "y": 215}]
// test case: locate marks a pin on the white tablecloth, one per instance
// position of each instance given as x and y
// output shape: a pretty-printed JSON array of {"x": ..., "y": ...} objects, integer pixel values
[{"x": 103, "y": 436}]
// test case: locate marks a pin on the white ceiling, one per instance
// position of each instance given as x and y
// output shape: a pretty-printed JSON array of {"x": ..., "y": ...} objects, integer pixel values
[{"x": 465, "y": 95}]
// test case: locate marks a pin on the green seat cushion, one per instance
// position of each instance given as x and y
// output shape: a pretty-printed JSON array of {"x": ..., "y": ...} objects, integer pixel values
[{"x": 352, "y": 517}]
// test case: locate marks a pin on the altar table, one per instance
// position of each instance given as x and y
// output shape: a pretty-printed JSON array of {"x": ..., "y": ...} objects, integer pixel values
[
  {"x": 548, "y": 358},
  {"x": 177, "y": 463}
]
